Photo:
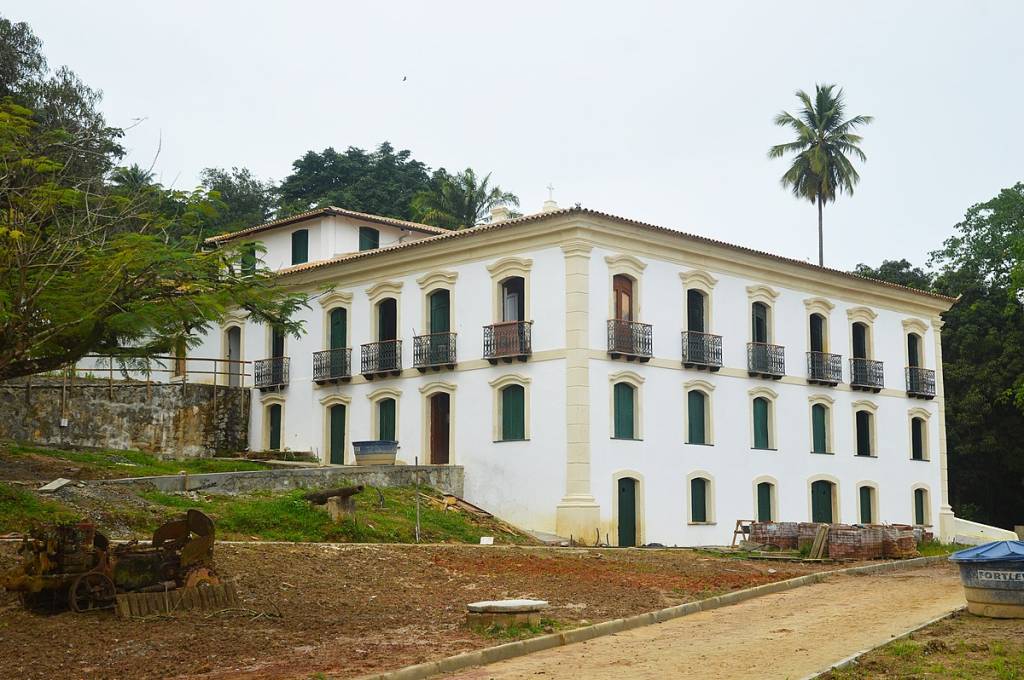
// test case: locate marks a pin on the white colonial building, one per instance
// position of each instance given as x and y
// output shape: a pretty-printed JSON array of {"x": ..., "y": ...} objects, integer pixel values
[{"x": 596, "y": 376}]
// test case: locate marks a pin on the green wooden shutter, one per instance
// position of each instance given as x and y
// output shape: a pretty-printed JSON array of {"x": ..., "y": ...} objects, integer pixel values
[
  {"x": 917, "y": 438},
  {"x": 698, "y": 500},
  {"x": 439, "y": 312},
  {"x": 300, "y": 246},
  {"x": 386, "y": 422},
  {"x": 338, "y": 434},
  {"x": 918, "y": 506},
  {"x": 513, "y": 413},
  {"x": 623, "y": 398},
  {"x": 764, "y": 502},
  {"x": 276, "y": 343},
  {"x": 761, "y": 423},
  {"x": 863, "y": 433},
  {"x": 860, "y": 341},
  {"x": 865, "y": 505},
  {"x": 339, "y": 328},
  {"x": 821, "y": 501},
  {"x": 696, "y": 402},
  {"x": 759, "y": 314},
  {"x": 820, "y": 435},
  {"x": 274, "y": 413},
  {"x": 695, "y": 311},
  {"x": 369, "y": 239},
  {"x": 913, "y": 353},
  {"x": 817, "y": 333}
]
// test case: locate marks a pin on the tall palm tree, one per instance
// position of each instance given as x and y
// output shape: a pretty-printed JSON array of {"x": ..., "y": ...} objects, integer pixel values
[
  {"x": 460, "y": 200},
  {"x": 824, "y": 139},
  {"x": 133, "y": 178}
]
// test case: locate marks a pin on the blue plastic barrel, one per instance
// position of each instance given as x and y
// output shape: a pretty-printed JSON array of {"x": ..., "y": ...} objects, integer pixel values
[
  {"x": 375, "y": 452},
  {"x": 993, "y": 578}
]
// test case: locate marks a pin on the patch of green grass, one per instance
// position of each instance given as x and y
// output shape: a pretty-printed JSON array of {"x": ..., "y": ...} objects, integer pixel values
[
  {"x": 20, "y": 508},
  {"x": 137, "y": 463},
  {"x": 936, "y": 548},
  {"x": 904, "y": 649},
  {"x": 287, "y": 517},
  {"x": 518, "y": 631}
]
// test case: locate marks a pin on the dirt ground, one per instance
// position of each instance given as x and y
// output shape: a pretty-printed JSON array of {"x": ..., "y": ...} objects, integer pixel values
[
  {"x": 961, "y": 646},
  {"x": 349, "y": 610},
  {"x": 786, "y": 635}
]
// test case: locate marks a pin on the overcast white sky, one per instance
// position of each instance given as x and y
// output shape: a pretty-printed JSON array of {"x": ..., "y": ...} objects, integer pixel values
[{"x": 656, "y": 111}]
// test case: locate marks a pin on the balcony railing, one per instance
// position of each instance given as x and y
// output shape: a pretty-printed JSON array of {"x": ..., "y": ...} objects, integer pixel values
[
  {"x": 436, "y": 350},
  {"x": 508, "y": 341},
  {"x": 381, "y": 358},
  {"x": 866, "y": 374},
  {"x": 824, "y": 368},
  {"x": 920, "y": 382},
  {"x": 766, "y": 361},
  {"x": 629, "y": 339},
  {"x": 702, "y": 350},
  {"x": 332, "y": 365},
  {"x": 270, "y": 374}
]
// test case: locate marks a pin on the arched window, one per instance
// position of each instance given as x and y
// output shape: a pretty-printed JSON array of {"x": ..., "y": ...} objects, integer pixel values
[
  {"x": 300, "y": 246},
  {"x": 369, "y": 238},
  {"x": 513, "y": 413},
  {"x": 921, "y": 510},
  {"x": 917, "y": 438},
  {"x": 913, "y": 350},
  {"x": 625, "y": 304},
  {"x": 861, "y": 341},
  {"x": 818, "y": 336},
  {"x": 696, "y": 311},
  {"x": 697, "y": 417},
  {"x": 819, "y": 429},
  {"x": 513, "y": 299},
  {"x": 699, "y": 500},
  {"x": 760, "y": 322},
  {"x": 865, "y": 425},
  {"x": 765, "y": 502},
  {"x": 387, "y": 419},
  {"x": 762, "y": 423},
  {"x": 866, "y": 501},
  {"x": 624, "y": 405},
  {"x": 823, "y": 501}
]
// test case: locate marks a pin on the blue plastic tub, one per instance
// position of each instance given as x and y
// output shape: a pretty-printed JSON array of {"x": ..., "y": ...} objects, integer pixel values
[
  {"x": 375, "y": 452},
  {"x": 993, "y": 578}
]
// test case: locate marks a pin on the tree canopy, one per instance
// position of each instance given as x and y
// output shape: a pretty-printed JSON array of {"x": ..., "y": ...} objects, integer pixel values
[
  {"x": 825, "y": 140},
  {"x": 460, "y": 200}
]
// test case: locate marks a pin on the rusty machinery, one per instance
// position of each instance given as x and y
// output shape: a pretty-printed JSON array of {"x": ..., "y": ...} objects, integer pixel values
[{"x": 74, "y": 566}]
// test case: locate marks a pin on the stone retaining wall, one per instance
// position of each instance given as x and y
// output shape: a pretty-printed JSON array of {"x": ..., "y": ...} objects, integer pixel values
[
  {"x": 446, "y": 478},
  {"x": 170, "y": 420}
]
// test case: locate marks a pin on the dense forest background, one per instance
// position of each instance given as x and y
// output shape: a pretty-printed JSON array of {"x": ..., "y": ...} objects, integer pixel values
[{"x": 58, "y": 152}]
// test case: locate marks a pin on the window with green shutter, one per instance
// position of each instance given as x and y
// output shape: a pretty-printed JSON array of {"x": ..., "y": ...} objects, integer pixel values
[
  {"x": 624, "y": 411},
  {"x": 369, "y": 238},
  {"x": 696, "y": 417},
  {"x": 513, "y": 413},
  {"x": 386, "y": 420},
  {"x": 819, "y": 432},
  {"x": 698, "y": 499},
  {"x": 274, "y": 427},
  {"x": 764, "y": 502},
  {"x": 300, "y": 246},
  {"x": 866, "y": 495},
  {"x": 917, "y": 438},
  {"x": 863, "y": 433},
  {"x": 920, "y": 497},
  {"x": 761, "y": 430}
]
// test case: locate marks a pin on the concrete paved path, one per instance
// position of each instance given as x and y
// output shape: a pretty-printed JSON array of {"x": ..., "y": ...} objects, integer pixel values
[{"x": 785, "y": 635}]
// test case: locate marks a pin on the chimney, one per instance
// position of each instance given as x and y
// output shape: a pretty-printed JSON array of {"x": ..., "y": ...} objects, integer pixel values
[
  {"x": 550, "y": 205},
  {"x": 500, "y": 213}
]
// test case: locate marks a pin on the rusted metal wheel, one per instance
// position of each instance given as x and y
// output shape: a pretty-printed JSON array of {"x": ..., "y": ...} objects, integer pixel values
[
  {"x": 90, "y": 592},
  {"x": 201, "y": 576}
]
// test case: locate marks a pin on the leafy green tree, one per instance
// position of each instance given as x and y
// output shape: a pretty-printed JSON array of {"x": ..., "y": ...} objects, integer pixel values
[
  {"x": 382, "y": 182},
  {"x": 825, "y": 140},
  {"x": 241, "y": 200},
  {"x": 900, "y": 272},
  {"x": 460, "y": 200}
]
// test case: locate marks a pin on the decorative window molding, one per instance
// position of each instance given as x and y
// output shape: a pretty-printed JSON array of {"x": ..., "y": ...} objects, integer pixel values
[
  {"x": 336, "y": 298},
  {"x": 865, "y": 405},
  {"x": 761, "y": 391},
  {"x": 439, "y": 279},
  {"x": 927, "y": 505},
  {"x": 827, "y": 402},
  {"x": 266, "y": 401},
  {"x": 626, "y": 264},
  {"x": 636, "y": 381},
  {"x": 428, "y": 390},
  {"x": 329, "y": 302},
  {"x": 703, "y": 282},
  {"x": 819, "y": 305},
  {"x": 862, "y": 314},
  {"x": 384, "y": 289},
  {"x": 709, "y": 497},
  {"x": 376, "y": 294},
  {"x": 499, "y": 384},
  {"x": 871, "y": 408},
  {"x": 236, "y": 317},
  {"x": 706, "y": 388},
  {"x": 375, "y": 398},
  {"x": 326, "y": 403},
  {"x": 823, "y": 308},
  {"x": 875, "y": 516},
  {"x": 699, "y": 279},
  {"x": 766, "y": 296},
  {"x": 762, "y": 293},
  {"x": 631, "y": 267},
  {"x": 915, "y": 326},
  {"x": 836, "y": 497},
  {"x": 502, "y": 270},
  {"x": 770, "y": 396},
  {"x": 918, "y": 413},
  {"x": 774, "y": 496},
  {"x": 430, "y": 284}
]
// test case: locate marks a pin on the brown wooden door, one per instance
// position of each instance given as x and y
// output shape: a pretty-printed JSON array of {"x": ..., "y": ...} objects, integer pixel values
[
  {"x": 622, "y": 288},
  {"x": 440, "y": 406}
]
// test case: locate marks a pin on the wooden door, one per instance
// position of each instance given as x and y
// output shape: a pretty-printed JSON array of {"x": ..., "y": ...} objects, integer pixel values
[
  {"x": 337, "y": 426},
  {"x": 913, "y": 350},
  {"x": 865, "y": 505},
  {"x": 695, "y": 311},
  {"x": 817, "y": 333},
  {"x": 764, "y": 502},
  {"x": 821, "y": 501},
  {"x": 622, "y": 288},
  {"x": 274, "y": 427},
  {"x": 233, "y": 338},
  {"x": 440, "y": 428},
  {"x": 759, "y": 322},
  {"x": 627, "y": 512}
]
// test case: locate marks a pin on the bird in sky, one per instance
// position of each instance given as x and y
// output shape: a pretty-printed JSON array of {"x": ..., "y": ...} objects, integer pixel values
[{"x": 404, "y": 78}]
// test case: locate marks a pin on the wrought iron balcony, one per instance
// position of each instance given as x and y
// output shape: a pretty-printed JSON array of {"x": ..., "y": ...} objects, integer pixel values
[
  {"x": 766, "y": 361},
  {"x": 270, "y": 374},
  {"x": 920, "y": 382},
  {"x": 866, "y": 374},
  {"x": 381, "y": 358},
  {"x": 824, "y": 368},
  {"x": 435, "y": 350},
  {"x": 332, "y": 365},
  {"x": 629, "y": 340},
  {"x": 508, "y": 341},
  {"x": 702, "y": 350}
]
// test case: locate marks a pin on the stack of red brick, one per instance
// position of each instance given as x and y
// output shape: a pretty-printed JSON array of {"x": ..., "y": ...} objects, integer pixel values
[
  {"x": 845, "y": 541},
  {"x": 781, "y": 535}
]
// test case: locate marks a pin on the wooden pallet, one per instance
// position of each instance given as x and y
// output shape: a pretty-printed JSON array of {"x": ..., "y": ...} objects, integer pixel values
[
  {"x": 820, "y": 544},
  {"x": 203, "y": 598}
]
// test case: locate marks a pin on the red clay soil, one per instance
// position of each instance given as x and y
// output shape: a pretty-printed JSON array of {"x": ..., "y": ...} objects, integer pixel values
[{"x": 356, "y": 609}]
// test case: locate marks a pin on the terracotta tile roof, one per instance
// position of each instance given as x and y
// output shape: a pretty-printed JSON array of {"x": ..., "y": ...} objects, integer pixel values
[
  {"x": 321, "y": 212},
  {"x": 467, "y": 233}
]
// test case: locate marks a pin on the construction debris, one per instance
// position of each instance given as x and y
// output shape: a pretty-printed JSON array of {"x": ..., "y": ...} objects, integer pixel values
[
  {"x": 54, "y": 485},
  {"x": 840, "y": 541}
]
